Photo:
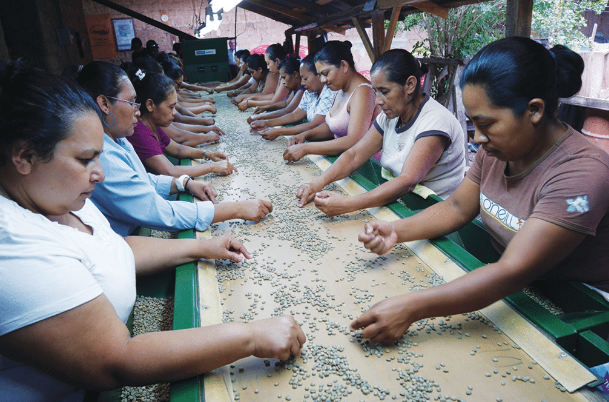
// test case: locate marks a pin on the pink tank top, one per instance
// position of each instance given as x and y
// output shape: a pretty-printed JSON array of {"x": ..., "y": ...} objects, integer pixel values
[{"x": 339, "y": 123}]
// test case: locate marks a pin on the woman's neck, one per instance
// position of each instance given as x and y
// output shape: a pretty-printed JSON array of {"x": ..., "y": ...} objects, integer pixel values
[
  {"x": 547, "y": 134},
  {"x": 412, "y": 108},
  {"x": 353, "y": 80},
  {"x": 148, "y": 122}
]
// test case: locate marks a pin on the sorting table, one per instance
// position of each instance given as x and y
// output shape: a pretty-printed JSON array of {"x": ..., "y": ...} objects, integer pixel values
[{"x": 312, "y": 267}]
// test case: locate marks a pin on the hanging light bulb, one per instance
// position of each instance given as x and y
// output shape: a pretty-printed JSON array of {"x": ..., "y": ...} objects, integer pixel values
[{"x": 227, "y": 5}]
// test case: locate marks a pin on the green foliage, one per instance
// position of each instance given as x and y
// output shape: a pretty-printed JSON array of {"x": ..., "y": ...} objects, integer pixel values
[
  {"x": 462, "y": 34},
  {"x": 560, "y": 21}
]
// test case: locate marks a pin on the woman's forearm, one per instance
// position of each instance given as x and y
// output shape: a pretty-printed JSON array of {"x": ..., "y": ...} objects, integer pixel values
[{"x": 331, "y": 147}]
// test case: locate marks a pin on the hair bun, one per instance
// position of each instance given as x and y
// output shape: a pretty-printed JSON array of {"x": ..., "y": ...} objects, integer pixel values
[
  {"x": 8, "y": 71},
  {"x": 569, "y": 70}
]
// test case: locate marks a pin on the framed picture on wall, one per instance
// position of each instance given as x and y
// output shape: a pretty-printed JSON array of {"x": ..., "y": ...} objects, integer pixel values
[{"x": 123, "y": 32}]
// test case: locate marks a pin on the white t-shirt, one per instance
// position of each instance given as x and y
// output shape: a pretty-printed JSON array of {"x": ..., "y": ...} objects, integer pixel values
[
  {"x": 46, "y": 269},
  {"x": 431, "y": 119}
]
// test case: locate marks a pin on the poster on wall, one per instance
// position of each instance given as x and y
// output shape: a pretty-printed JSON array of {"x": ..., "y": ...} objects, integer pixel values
[
  {"x": 123, "y": 33},
  {"x": 101, "y": 36}
]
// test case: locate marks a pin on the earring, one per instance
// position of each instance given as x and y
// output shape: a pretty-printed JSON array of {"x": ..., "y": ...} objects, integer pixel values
[{"x": 104, "y": 120}]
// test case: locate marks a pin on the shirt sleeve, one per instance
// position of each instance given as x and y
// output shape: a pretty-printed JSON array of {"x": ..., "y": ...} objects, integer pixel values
[
  {"x": 31, "y": 260},
  {"x": 576, "y": 197},
  {"x": 163, "y": 137},
  {"x": 144, "y": 142},
  {"x": 474, "y": 172},
  {"x": 126, "y": 197},
  {"x": 161, "y": 183},
  {"x": 325, "y": 101},
  {"x": 380, "y": 122}
]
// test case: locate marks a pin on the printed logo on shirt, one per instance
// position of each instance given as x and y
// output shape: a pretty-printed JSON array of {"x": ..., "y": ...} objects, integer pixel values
[
  {"x": 501, "y": 214},
  {"x": 580, "y": 204}
]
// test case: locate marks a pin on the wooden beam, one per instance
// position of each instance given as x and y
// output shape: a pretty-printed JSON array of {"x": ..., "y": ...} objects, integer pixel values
[
  {"x": 290, "y": 43},
  {"x": 364, "y": 37},
  {"x": 281, "y": 10},
  {"x": 432, "y": 8},
  {"x": 378, "y": 33},
  {"x": 309, "y": 5},
  {"x": 145, "y": 19},
  {"x": 297, "y": 45},
  {"x": 519, "y": 14},
  {"x": 266, "y": 13},
  {"x": 393, "y": 22},
  {"x": 333, "y": 19}
]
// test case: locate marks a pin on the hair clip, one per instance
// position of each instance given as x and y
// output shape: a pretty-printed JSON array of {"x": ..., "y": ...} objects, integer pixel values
[{"x": 140, "y": 74}]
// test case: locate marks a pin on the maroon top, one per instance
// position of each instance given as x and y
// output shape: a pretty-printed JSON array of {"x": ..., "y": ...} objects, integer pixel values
[{"x": 146, "y": 144}]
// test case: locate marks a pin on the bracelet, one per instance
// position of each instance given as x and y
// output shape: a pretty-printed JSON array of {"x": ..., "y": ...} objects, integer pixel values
[
  {"x": 186, "y": 186},
  {"x": 180, "y": 182},
  {"x": 205, "y": 154},
  {"x": 247, "y": 103}
]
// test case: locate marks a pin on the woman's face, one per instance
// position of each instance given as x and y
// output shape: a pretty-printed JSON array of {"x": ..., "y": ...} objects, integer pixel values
[
  {"x": 256, "y": 74},
  {"x": 330, "y": 75},
  {"x": 178, "y": 83},
  {"x": 310, "y": 81},
  {"x": 163, "y": 114},
  {"x": 390, "y": 96},
  {"x": 126, "y": 113},
  {"x": 62, "y": 184},
  {"x": 271, "y": 64},
  {"x": 290, "y": 81},
  {"x": 502, "y": 134},
  {"x": 243, "y": 66}
]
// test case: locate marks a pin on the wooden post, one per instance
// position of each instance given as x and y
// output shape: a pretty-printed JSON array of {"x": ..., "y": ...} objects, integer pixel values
[
  {"x": 297, "y": 45},
  {"x": 518, "y": 16},
  {"x": 289, "y": 42},
  {"x": 365, "y": 39},
  {"x": 395, "y": 16},
  {"x": 311, "y": 43},
  {"x": 378, "y": 33}
]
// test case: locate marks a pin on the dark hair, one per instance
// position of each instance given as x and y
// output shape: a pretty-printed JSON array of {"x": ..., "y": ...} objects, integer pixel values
[
  {"x": 398, "y": 65},
  {"x": 256, "y": 61},
  {"x": 37, "y": 108},
  {"x": 515, "y": 70},
  {"x": 172, "y": 70},
  {"x": 309, "y": 63},
  {"x": 244, "y": 56},
  {"x": 147, "y": 63},
  {"x": 335, "y": 51},
  {"x": 275, "y": 52},
  {"x": 153, "y": 86},
  {"x": 161, "y": 57},
  {"x": 290, "y": 65},
  {"x": 101, "y": 78},
  {"x": 238, "y": 53},
  {"x": 136, "y": 43}
]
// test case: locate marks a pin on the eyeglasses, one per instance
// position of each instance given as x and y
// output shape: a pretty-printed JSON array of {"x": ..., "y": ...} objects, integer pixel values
[
  {"x": 179, "y": 84},
  {"x": 134, "y": 105}
]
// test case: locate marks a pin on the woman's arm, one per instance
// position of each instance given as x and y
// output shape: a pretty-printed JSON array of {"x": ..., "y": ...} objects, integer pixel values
[
  {"x": 272, "y": 133},
  {"x": 347, "y": 163},
  {"x": 188, "y": 138},
  {"x": 423, "y": 156},
  {"x": 290, "y": 109},
  {"x": 90, "y": 347},
  {"x": 534, "y": 250},
  {"x": 280, "y": 93},
  {"x": 233, "y": 85},
  {"x": 360, "y": 112},
  {"x": 275, "y": 119},
  {"x": 159, "y": 164}
]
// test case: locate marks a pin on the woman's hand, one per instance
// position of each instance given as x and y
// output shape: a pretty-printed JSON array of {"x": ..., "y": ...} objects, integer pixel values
[
  {"x": 217, "y": 130},
  {"x": 378, "y": 237},
  {"x": 225, "y": 248},
  {"x": 387, "y": 320},
  {"x": 256, "y": 125},
  {"x": 270, "y": 133},
  {"x": 243, "y": 106},
  {"x": 260, "y": 109},
  {"x": 294, "y": 153},
  {"x": 276, "y": 338},
  {"x": 255, "y": 210},
  {"x": 307, "y": 192},
  {"x": 331, "y": 203},
  {"x": 223, "y": 168},
  {"x": 297, "y": 139},
  {"x": 203, "y": 191},
  {"x": 230, "y": 94},
  {"x": 216, "y": 156},
  {"x": 212, "y": 137}
]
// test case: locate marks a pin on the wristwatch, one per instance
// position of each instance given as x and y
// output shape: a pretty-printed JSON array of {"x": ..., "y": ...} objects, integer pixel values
[{"x": 181, "y": 182}]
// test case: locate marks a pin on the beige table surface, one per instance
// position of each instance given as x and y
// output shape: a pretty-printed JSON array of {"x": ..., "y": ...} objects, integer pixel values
[{"x": 312, "y": 267}]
